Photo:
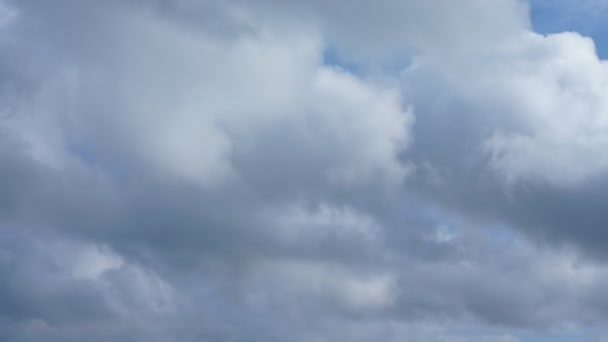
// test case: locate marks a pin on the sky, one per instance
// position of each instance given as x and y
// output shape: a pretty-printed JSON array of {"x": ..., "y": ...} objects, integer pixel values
[
  {"x": 306, "y": 171},
  {"x": 584, "y": 16}
]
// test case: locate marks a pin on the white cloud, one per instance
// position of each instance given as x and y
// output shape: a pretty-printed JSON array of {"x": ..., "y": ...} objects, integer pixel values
[
  {"x": 185, "y": 103},
  {"x": 252, "y": 191},
  {"x": 333, "y": 283},
  {"x": 534, "y": 102}
]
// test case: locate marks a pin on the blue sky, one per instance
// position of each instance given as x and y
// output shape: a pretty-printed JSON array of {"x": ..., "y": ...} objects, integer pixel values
[{"x": 588, "y": 17}]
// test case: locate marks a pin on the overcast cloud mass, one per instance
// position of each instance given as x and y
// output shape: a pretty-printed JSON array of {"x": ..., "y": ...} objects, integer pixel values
[{"x": 323, "y": 170}]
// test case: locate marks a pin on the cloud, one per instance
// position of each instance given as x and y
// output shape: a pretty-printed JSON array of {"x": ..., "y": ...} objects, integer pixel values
[
  {"x": 181, "y": 170},
  {"x": 521, "y": 139},
  {"x": 497, "y": 338}
]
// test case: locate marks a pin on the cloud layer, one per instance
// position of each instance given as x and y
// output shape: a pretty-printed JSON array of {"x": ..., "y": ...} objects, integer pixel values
[{"x": 298, "y": 171}]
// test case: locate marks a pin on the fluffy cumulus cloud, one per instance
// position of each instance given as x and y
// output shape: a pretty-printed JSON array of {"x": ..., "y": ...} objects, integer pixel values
[{"x": 179, "y": 170}]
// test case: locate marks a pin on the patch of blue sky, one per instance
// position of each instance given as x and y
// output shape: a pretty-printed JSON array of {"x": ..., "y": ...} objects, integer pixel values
[
  {"x": 83, "y": 154},
  {"x": 117, "y": 170},
  {"x": 333, "y": 57},
  {"x": 587, "y": 17},
  {"x": 501, "y": 234}
]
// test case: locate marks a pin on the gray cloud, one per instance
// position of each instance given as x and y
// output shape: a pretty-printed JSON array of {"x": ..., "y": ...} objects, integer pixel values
[{"x": 180, "y": 170}]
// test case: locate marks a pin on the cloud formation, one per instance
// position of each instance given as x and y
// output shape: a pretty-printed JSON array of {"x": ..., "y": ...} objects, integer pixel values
[{"x": 298, "y": 171}]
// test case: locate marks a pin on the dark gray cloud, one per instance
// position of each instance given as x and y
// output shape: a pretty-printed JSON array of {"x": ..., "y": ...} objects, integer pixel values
[{"x": 184, "y": 170}]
